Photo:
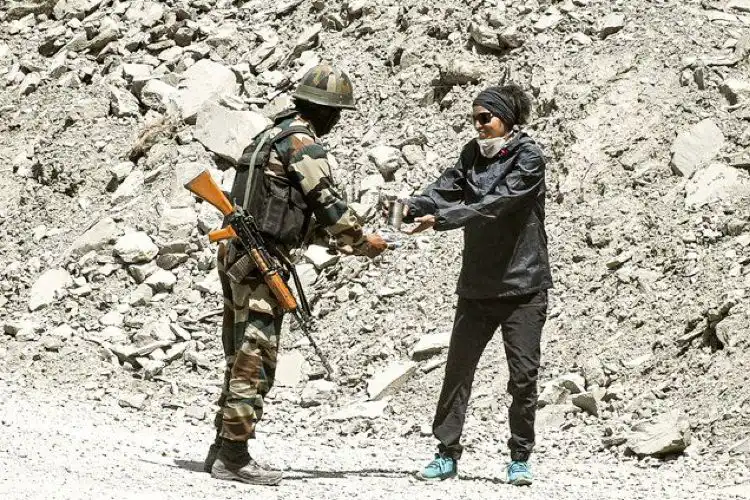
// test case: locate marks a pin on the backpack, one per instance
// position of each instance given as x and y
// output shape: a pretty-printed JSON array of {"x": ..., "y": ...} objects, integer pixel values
[{"x": 276, "y": 203}]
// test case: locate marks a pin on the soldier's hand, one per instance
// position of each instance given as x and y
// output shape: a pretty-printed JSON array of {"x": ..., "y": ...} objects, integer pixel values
[
  {"x": 425, "y": 222},
  {"x": 373, "y": 246}
]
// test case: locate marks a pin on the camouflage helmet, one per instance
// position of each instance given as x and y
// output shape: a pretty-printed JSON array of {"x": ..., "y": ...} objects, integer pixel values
[{"x": 326, "y": 86}]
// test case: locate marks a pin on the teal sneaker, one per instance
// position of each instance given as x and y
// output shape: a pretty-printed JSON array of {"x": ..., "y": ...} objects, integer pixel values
[
  {"x": 519, "y": 473},
  {"x": 440, "y": 469}
]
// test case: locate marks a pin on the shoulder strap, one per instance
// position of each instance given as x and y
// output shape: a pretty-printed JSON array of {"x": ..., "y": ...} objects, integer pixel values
[{"x": 266, "y": 142}]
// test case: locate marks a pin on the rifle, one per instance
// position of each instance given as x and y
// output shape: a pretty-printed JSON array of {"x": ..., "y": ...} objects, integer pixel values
[{"x": 243, "y": 227}]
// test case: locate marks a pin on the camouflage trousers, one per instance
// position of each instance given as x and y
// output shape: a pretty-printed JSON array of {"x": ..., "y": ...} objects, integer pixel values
[{"x": 250, "y": 335}]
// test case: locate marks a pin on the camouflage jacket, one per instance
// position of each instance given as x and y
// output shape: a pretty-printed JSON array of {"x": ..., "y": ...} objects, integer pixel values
[{"x": 309, "y": 165}]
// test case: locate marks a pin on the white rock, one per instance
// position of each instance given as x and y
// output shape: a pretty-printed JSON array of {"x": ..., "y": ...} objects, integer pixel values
[
  {"x": 664, "y": 435},
  {"x": 695, "y": 147},
  {"x": 573, "y": 382},
  {"x": 317, "y": 392},
  {"x": 123, "y": 103},
  {"x": 209, "y": 218},
  {"x": 371, "y": 183},
  {"x": 319, "y": 256},
  {"x": 135, "y": 247},
  {"x": 203, "y": 82},
  {"x": 121, "y": 170},
  {"x": 387, "y": 159},
  {"x": 48, "y": 287},
  {"x": 430, "y": 344},
  {"x": 735, "y": 90},
  {"x": 177, "y": 223},
  {"x": 112, "y": 318},
  {"x": 548, "y": 22},
  {"x": 147, "y": 13},
  {"x": 226, "y": 132},
  {"x": 136, "y": 72},
  {"x": 364, "y": 409},
  {"x": 741, "y": 5},
  {"x": 289, "y": 369},
  {"x": 307, "y": 274},
  {"x": 210, "y": 284},
  {"x": 141, "y": 295},
  {"x": 610, "y": 25},
  {"x": 390, "y": 380},
  {"x": 30, "y": 83},
  {"x": 157, "y": 95},
  {"x": 101, "y": 234},
  {"x": 162, "y": 280},
  {"x": 717, "y": 182},
  {"x": 130, "y": 188},
  {"x": 63, "y": 331}
]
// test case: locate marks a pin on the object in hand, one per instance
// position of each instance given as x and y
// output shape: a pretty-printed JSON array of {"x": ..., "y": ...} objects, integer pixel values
[{"x": 395, "y": 213}]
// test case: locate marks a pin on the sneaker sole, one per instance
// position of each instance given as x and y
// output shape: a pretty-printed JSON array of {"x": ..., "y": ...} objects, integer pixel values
[
  {"x": 434, "y": 479},
  {"x": 231, "y": 476},
  {"x": 521, "y": 482}
]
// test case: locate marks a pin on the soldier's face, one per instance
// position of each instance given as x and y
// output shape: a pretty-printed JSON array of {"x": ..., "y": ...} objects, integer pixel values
[
  {"x": 486, "y": 124},
  {"x": 329, "y": 121}
]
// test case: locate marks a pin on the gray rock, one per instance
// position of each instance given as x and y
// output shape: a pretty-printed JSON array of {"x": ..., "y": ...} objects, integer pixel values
[
  {"x": 390, "y": 380},
  {"x": 289, "y": 369},
  {"x": 307, "y": 274},
  {"x": 610, "y": 25},
  {"x": 123, "y": 103},
  {"x": 387, "y": 159},
  {"x": 735, "y": 90},
  {"x": 459, "y": 71},
  {"x": 413, "y": 154},
  {"x": 320, "y": 257},
  {"x": 593, "y": 371},
  {"x": 588, "y": 402},
  {"x": 48, "y": 288},
  {"x": 177, "y": 223},
  {"x": 730, "y": 331},
  {"x": 226, "y": 132},
  {"x": 137, "y": 401},
  {"x": 715, "y": 183},
  {"x": 307, "y": 40},
  {"x": 130, "y": 188},
  {"x": 573, "y": 382},
  {"x": 172, "y": 260},
  {"x": 52, "y": 344},
  {"x": 742, "y": 447},
  {"x": 21, "y": 328},
  {"x": 30, "y": 83},
  {"x": 121, "y": 170},
  {"x": 157, "y": 95},
  {"x": 317, "y": 392},
  {"x": 430, "y": 344},
  {"x": 101, "y": 234},
  {"x": 112, "y": 318},
  {"x": 552, "y": 394},
  {"x": 136, "y": 72},
  {"x": 740, "y": 5},
  {"x": 145, "y": 12},
  {"x": 141, "y": 295},
  {"x": 548, "y": 21},
  {"x": 364, "y": 409},
  {"x": 74, "y": 8},
  {"x": 494, "y": 39},
  {"x": 17, "y": 10},
  {"x": 210, "y": 284},
  {"x": 695, "y": 147},
  {"x": 135, "y": 247},
  {"x": 140, "y": 272},
  {"x": 161, "y": 281},
  {"x": 203, "y": 82},
  {"x": 665, "y": 435},
  {"x": 195, "y": 412}
]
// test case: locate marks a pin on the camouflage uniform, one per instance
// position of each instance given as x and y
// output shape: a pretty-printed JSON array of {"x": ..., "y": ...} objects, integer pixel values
[{"x": 252, "y": 317}]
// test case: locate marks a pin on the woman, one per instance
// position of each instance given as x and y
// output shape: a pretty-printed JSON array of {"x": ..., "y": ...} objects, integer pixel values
[{"x": 495, "y": 193}]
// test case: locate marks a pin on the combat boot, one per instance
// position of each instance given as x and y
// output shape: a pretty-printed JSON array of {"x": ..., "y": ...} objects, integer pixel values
[
  {"x": 234, "y": 463},
  {"x": 213, "y": 452}
]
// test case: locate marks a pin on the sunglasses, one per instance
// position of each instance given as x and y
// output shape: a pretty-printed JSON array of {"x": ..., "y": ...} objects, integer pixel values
[{"x": 483, "y": 118}]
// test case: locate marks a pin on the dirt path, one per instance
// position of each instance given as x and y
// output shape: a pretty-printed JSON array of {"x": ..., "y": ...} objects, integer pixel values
[{"x": 55, "y": 447}]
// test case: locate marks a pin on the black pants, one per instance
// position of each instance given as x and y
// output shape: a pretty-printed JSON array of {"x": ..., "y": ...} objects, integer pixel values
[{"x": 521, "y": 320}]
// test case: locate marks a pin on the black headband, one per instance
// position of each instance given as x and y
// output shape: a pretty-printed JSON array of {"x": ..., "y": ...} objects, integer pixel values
[{"x": 499, "y": 103}]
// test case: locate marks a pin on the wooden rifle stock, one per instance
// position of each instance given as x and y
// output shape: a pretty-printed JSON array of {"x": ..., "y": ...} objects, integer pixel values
[{"x": 205, "y": 188}]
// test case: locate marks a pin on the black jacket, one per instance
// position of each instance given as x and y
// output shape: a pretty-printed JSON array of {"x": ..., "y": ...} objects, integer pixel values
[{"x": 500, "y": 204}]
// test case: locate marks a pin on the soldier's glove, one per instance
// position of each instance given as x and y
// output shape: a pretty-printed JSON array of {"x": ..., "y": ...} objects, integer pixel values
[{"x": 372, "y": 246}]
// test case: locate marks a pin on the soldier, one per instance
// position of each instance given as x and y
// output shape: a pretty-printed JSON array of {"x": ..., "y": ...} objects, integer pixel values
[{"x": 299, "y": 189}]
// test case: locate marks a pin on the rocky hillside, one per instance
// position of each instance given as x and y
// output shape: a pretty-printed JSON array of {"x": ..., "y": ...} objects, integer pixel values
[{"x": 643, "y": 108}]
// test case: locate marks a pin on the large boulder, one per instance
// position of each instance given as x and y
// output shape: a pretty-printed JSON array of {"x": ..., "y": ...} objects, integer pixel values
[
  {"x": 226, "y": 132},
  {"x": 203, "y": 82},
  {"x": 667, "y": 434},
  {"x": 102, "y": 233},
  {"x": 390, "y": 380},
  {"x": 135, "y": 247},
  {"x": 48, "y": 287},
  {"x": 716, "y": 183},
  {"x": 695, "y": 147}
]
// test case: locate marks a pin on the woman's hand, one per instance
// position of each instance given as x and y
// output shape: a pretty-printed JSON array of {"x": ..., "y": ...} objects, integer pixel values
[{"x": 425, "y": 222}]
